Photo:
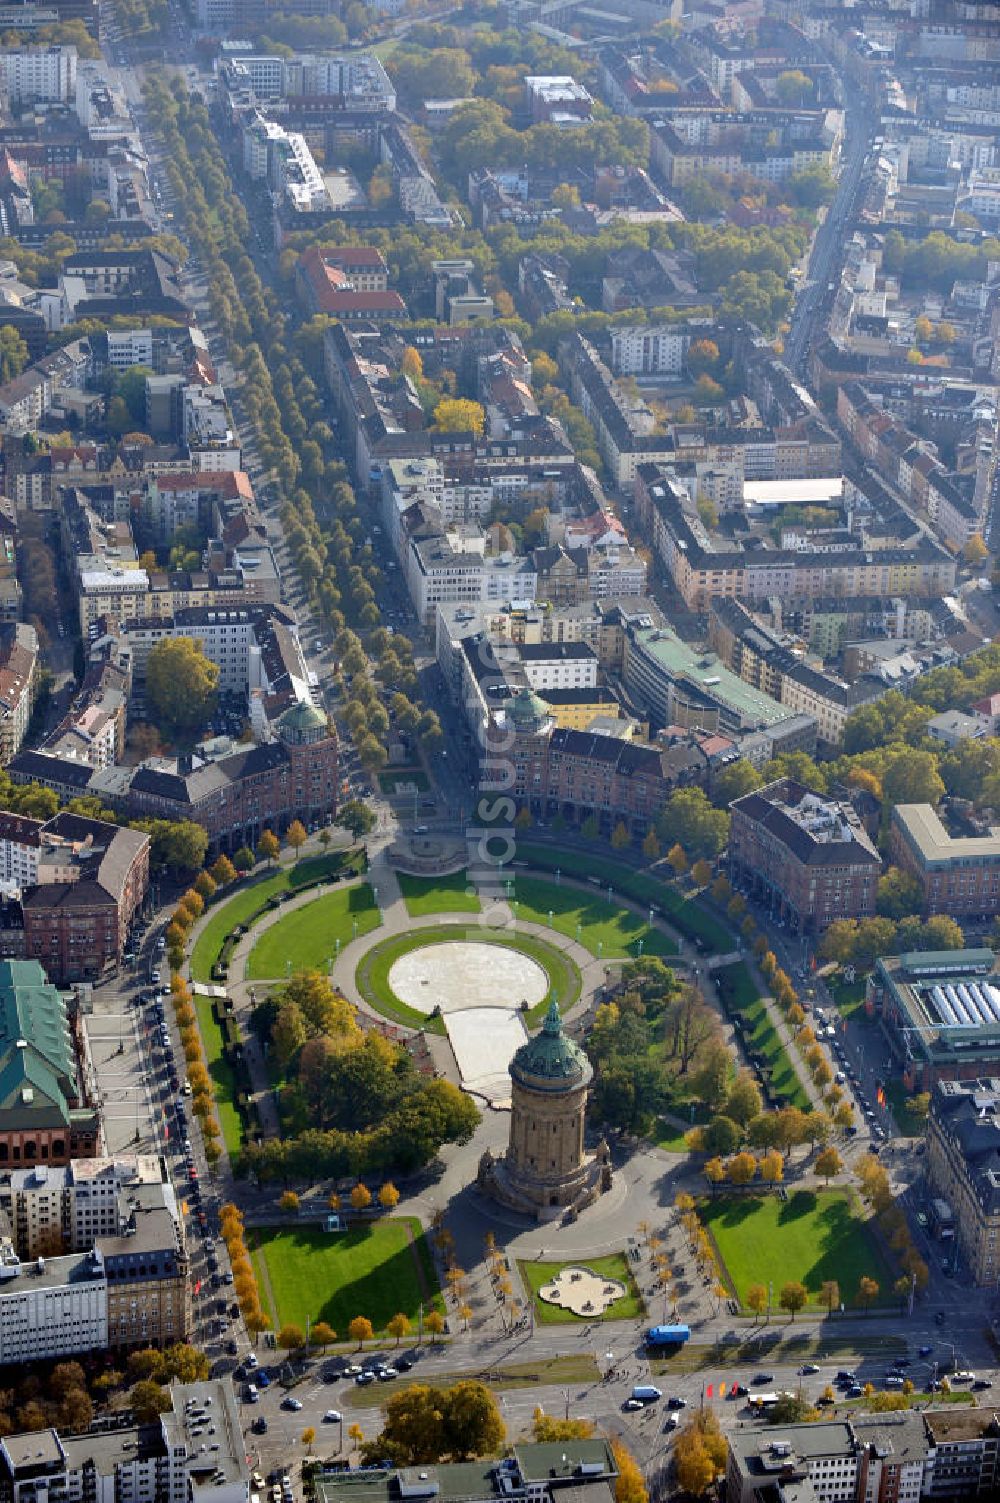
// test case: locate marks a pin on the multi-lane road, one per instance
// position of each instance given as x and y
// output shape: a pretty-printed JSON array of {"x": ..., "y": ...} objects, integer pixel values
[{"x": 828, "y": 243}]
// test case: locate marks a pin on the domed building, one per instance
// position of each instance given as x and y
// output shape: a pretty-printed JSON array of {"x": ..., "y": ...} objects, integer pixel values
[
  {"x": 302, "y": 724},
  {"x": 545, "y": 1169}
]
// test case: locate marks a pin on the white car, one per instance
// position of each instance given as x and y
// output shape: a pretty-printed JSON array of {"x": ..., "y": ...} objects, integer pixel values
[{"x": 333, "y": 1417}]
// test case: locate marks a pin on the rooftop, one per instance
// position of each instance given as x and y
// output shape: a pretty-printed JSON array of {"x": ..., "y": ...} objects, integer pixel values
[
  {"x": 819, "y": 831},
  {"x": 707, "y": 672},
  {"x": 921, "y": 828}
]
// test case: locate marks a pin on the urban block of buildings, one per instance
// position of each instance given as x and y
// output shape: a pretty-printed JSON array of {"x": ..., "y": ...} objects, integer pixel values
[{"x": 194, "y": 1451}]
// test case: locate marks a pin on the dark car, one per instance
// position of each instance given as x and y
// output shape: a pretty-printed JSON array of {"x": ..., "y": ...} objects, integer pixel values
[
  {"x": 982, "y": 1383},
  {"x": 676, "y": 1402},
  {"x": 740, "y": 1391},
  {"x": 855, "y": 1391},
  {"x": 761, "y": 1380},
  {"x": 404, "y": 1364},
  {"x": 363, "y": 1379},
  {"x": 259, "y": 1426}
]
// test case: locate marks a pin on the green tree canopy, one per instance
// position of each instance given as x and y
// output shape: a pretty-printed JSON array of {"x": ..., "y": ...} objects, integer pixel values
[{"x": 181, "y": 685}]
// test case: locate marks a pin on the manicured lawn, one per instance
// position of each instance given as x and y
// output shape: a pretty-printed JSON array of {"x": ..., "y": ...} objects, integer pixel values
[
  {"x": 613, "y": 1266},
  {"x": 438, "y": 894},
  {"x": 223, "y": 1079},
  {"x": 669, "y": 1136},
  {"x": 910, "y": 1123},
  {"x": 691, "y": 917},
  {"x": 740, "y": 998},
  {"x": 377, "y": 1269},
  {"x": 849, "y": 997},
  {"x": 812, "y": 1237},
  {"x": 372, "y": 975},
  {"x": 308, "y": 936},
  {"x": 601, "y": 924},
  {"x": 241, "y": 907}
]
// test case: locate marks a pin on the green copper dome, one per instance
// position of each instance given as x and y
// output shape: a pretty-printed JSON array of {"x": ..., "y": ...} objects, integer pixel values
[
  {"x": 302, "y": 723},
  {"x": 551, "y": 1061},
  {"x": 527, "y": 711}
]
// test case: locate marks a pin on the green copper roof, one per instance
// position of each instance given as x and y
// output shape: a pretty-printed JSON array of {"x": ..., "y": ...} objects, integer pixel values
[
  {"x": 36, "y": 1052},
  {"x": 301, "y": 718},
  {"x": 551, "y": 1059},
  {"x": 527, "y": 710}
]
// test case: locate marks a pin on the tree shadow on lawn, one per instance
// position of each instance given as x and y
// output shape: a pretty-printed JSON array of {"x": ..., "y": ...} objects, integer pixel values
[
  {"x": 391, "y": 1285},
  {"x": 802, "y": 1203},
  {"x": 739, "y": 1211}
]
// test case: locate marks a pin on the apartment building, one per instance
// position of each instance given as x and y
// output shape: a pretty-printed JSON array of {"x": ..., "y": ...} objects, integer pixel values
[
  {"x": 963, "y": 1169},
  {"x": 807, "y": 857},
  {"x": 948, "y": 1453},
  {"x": 761, "y": 658},
  {"x": 651, "y": 349},
  {"x": 146, "y": 1264},
  {"x": 39, "y": 75},
  {"x": 194, "y": 1451},
  {"x": 235, "y": 796},
  {"x": 704, "y": 568},
  {"x": 677, "y": 685},
  {"x": 960, "y": 875},
  {"x": 57, "y": 1209},
  {"x": 19, "y": 663},
  {"x": 558, "y": 665}
]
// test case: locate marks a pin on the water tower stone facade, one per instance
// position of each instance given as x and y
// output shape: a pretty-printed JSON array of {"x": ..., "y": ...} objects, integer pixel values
[{"x": 546, "y": 1170}]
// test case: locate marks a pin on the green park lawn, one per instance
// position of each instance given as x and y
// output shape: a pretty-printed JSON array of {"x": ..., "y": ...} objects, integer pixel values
[
  {"x": 603, "y": 925},
  {"x": 223, "y": 1079},
  {"x": 613, "y": 1266},
  {"x": 307, "y": 937},
  {"x": 376, "y": 1269},
  {"x": 425, "y": 895},
  {"x": 242, "y": 906},
  {"x": 811, "y": 1237},
  {"x": 687, "y": 914},
  {"x": 739, "y": 995}
]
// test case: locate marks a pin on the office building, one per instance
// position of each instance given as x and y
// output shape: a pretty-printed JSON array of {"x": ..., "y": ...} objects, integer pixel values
[
  {"x": 959, "y": 875},
  {"x": 940, "y": 1013},
  {"x": 809, "y": 858}
]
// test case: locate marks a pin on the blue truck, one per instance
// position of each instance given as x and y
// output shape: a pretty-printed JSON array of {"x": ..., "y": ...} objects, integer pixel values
[{"x": 666, "y": 1338}]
